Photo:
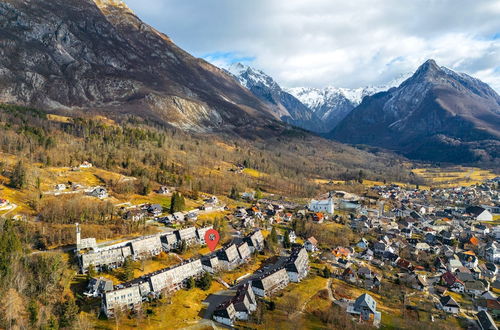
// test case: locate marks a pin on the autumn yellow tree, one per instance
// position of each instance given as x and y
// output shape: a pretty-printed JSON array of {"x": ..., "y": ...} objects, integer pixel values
[{"x": 13, "y": 309}]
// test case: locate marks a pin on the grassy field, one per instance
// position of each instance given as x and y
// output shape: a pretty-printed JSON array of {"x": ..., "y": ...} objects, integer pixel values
[
  {"x": 454, "y": 176},
  {"x": 306, "y": 299},
  {"x": 253, "y": 173},
  {"x": 185, "y": 309}
]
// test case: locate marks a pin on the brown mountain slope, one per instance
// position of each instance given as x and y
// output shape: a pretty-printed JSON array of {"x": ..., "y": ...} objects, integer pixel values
[{"x": 98, "y": 56}]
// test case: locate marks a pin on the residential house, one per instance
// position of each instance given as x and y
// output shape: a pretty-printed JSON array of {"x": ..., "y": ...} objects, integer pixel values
[
  {"x": 98, "y": 287},
  {"x": 297, "y": 265},
  {"x": 225, "y": 313},
  {"x": 163, "y": 190},
  {"x": 60, "y": 187},
  {"x": 122, "y": 298},
  {"x": 229, "y": 257},
  {"x": 362, "y": 244},
  {"x": 485, "y": 321},
  {"x": 255, "y": 241},
  {"x": 99, "y": 192},
  {"x": 110, "y": 258},
  {"x": 210, "y": 263},
  {"x": 85, "y": 164},
  {"x": 452, "y": 282},
  {"x": 146, "y": 246},
  {"x": 244, "y": 302},
  {"x": 349, "y": 275},
  {"x": 492, "y": 252},
  {"x": 244, "y": 251},
  {"x": 365, "y": 307},
  {"x": 188, "y": 235},
  {"x": 318, "y": 217},
  {"x": 134, "y": 215},
  {"x": 311, "y": 244},
  {"x": 449, "y": 305},
  {"x": 270, "y": 283},
  {"x": 479, "y": 213},
  {"x": 476, "y": 288},
  {"x": 155, "y": 210}
]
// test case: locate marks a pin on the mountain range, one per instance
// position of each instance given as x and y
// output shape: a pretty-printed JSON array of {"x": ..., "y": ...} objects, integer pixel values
[
  {"x": 437, "y": 114},
  {"x": 97, "y": 57},
  {"x": 317, "y": 110}
]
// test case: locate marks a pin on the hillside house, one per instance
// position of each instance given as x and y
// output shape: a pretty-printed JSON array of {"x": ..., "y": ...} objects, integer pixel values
[
  {"x": 229, "y": 257},
  {"x": 155, "y": 210},
  {"x": 244, "y": 302},
  {"x": 210, "y": 263},
  {"x": 270, "y": 283},
  {"x": 200, "y": 233},
  {"x": 255, "y": 241},
  {"x": 449, "y": 305},
  {"x": 365, "y": 307},
  {"x": 163, "y": 190},
  {"x": 123, "y": 298},
  {"x": 134, "y": 215},
  {"x": 98, "y": 287},
  {"x": 311, "y": 244},
  {"x": 188, "y": 235},
  {"x": 110, "y": 258},
  {"x": 244, "y": 251},
  {"x": 146, "y": 247},
  {"x": 297, "y": 265},
  {"x": 485, "y": 321},
  {"x": 85, "y": 164},
  {"x": 99, "y": 192},
  {"x": 225, "y": 313}
]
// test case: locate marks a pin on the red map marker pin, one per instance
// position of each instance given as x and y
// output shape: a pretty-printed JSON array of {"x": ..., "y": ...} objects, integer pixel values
[{"x": 212, "y": 238}]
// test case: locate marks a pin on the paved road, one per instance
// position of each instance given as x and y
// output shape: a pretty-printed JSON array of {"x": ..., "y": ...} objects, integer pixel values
[{"x": 14, "y": 206}]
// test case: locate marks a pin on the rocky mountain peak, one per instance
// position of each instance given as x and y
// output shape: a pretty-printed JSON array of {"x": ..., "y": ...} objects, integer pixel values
[{"x": 437, "y": 114}]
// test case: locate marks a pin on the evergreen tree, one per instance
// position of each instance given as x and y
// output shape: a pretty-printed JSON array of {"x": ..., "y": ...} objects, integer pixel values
[
  {"x": 190, "y": 283},
  {"x": 183, "y": 246},
  {"x": 177, "y": 203},
  {"x": 234, "y": 194},
  {"x": 327, "y": 272},
  {"x": 204, "y": 282},
  {"x": 33, "y": 311},
  {"x": 68, "y": 312},
  {"x": 172, "y": 202},
  {"x": 18, "y": 177},
  {"x": 274, "y": 235},
  {"x": 128, "y": 269},
  {"x": 286, "y": 240}
]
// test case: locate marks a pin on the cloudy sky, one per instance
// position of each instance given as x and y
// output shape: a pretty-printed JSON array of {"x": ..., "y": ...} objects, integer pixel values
[{"x": 335, "y": 42}]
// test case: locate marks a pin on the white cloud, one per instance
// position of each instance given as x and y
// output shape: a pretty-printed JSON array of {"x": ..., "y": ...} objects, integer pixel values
[{"x": 336, "y": 42}]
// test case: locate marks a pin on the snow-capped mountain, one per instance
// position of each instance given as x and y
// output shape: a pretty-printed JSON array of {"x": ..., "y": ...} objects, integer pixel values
[
  {"x": 332, "y": 104},
  {"x": 286, "y": 107}
]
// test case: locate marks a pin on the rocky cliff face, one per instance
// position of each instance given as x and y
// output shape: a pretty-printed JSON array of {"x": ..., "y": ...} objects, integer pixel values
[
  {"x": 97, "y": 56},
  {"x": 437, "y": 115}
]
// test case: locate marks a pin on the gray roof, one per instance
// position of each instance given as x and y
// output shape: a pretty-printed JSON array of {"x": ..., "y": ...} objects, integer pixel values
[
  {"x": 486, "y": 321},
  {"x": 365, "y": 301}
]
